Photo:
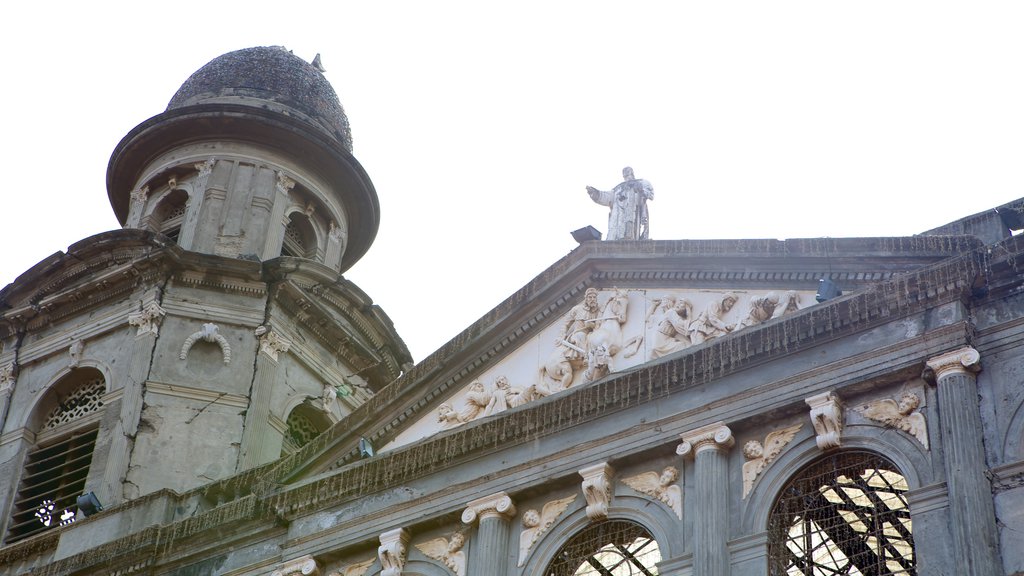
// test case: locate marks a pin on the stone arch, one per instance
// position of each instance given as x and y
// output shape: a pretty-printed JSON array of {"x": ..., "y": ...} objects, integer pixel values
[
  {"x": 906, "y": 453},
  {"x": 303, "y": 238},
  {"x": 167, "y": 211},
  {"x": 64, "y": 382},
  {"x": 303, "y": 423},
  {"x": 1013, "y": 443},
  {"x": 662, "y": 525}
]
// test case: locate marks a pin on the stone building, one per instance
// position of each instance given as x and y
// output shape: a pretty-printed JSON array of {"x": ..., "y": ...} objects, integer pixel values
[{"x": 238, "y": 407}]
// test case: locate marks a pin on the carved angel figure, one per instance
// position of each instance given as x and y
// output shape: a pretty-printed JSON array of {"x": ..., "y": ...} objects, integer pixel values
[
  {"x": 759, "y": 457},
  {"x": 447, "y": 552},
  {"x": 901, "y": 416},
  {"x": 663, "y": 487},
  {"x": 535, "y": 524}
]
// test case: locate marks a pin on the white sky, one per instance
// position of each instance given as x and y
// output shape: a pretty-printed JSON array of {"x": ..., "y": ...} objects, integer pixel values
[{"x": 480, "y": 126}]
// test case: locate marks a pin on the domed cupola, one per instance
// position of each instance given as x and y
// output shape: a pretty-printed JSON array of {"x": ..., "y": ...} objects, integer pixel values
[{"x": 252, "y": 159}]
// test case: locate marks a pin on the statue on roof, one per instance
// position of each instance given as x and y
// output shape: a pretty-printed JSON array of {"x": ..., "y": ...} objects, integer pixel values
[{"x": 627, "y": 204}]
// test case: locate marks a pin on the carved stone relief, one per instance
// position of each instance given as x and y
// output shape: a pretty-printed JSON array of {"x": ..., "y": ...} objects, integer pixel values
[
  {"x": 536, "y": 523},
  {"x": 8, "y": 376},
  {"x": 661, "y": 486},
  {"x": 597, "y": 489},
  {"x": 759, "y": 456},
  {"x": 447, "y": 552},
  {"x": 499, "y": 504},
  {"x": 357, "y": 569},
  {"x": 902, "y": 415},
  {"x": 147, "y": 318},
  {"x": 271, "y": 342},
  {"x": 627, "y": 207},
  {"x": 75, "y": 351},
  {"x": 391, "y": 551},
  {"x": 827, "y": 418},
  {"x": 209, "y": 333},
  {"x": 304, "y": 566}
]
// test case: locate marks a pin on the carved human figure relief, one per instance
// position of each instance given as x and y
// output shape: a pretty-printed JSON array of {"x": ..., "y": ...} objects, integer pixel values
[
  {"x": 510, "y": 395},
  {"x": 759, "y": 456},
  {"x": 661, "y": 486},
  {"x": 672, "y": 317},
  {"x": 304, "y": 566},
  {"x": 599, "y": 361},
  {"x": 627, "y": 207},
  {"x": 447, "y": 416},
  {"x": 391, "y": 551},
  {"x": 209, "y": 333},
  {"x": 597, "y": 489},
  {"x": 790, "y": 303},
  {"x": 711, "y": 322},
  {"x": 476, "y": 402},
  {"x": 535, "y": 524},
  {"x": 762, "y": 309},
  {"x": 447, "y": 552},
  {"x": 75, "y": 351},
  {"x": 827, "y": 418},
  {"x": 902, "y": 415},
  {"x": 328, "y": 395}
]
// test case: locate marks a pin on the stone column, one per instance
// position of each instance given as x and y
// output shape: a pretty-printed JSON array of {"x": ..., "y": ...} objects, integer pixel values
[
  {"x": 257, "y": 416},
  {"x": 147, "y": 324},
  {"x": 709, "y": 447},
  {"x": 490, "y": 548},
  {"x": 136, "y": 205},
  {"x": 972, "y": 513}
]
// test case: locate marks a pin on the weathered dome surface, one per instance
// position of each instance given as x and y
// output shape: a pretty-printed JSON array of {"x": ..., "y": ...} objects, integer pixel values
[{"x": 276, "y": 78}]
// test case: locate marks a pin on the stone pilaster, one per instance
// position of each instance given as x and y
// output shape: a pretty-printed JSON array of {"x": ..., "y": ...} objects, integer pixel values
[
  {"x": 187, "y": 235},
  {"x": 490, "y": 548},
  {"x": 277, "y": 222},
  {"x": 8, "y": 376},
  {"x": 136, "y": 205},
  {"x": 257, "y": 417},
  {"x": 336, "y": 238},
  {"x": 972, "y": 515},
  {"x": 709, "y": 447}
]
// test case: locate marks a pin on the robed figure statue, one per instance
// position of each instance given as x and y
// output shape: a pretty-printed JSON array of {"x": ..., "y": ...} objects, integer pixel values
[{"x": 627, "y": 203}]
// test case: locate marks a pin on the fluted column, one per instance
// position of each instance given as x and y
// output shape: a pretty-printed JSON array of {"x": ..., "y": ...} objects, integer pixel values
[
  {"x": 490, "y": 547},
  {"x": 257, "y": 416},
  {"x": 8, "y": 376},
  {"x": 972, "y": 512},
  {"x": 195, "y": 203},
  {"x": 277, "y": 223},
  {"x": 709, "y": 447}
]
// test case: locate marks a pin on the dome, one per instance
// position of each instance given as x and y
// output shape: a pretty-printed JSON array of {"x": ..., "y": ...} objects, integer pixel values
[{"x": 270, "y": 77}]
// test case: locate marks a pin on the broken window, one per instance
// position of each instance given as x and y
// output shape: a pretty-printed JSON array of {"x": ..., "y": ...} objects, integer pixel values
[
  {"x": 609, "y": 548},
  {"x": 845, "y": 514}
]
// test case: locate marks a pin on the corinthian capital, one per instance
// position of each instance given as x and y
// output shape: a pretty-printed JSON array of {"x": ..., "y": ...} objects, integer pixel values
[
  {"x": 272, "y": 343},
  {"x": 960, "y": 361},
  {"x": 284, "y": 183},
  {"x": 498, "y": 505},
  {"x": 715, "y": 436},
  {"x": 147, "y": 318},
  {"x": 8, "y": 375}
]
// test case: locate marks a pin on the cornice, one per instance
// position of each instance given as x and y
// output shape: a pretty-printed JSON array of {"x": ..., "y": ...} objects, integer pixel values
[{"x": 190, "y": 393}]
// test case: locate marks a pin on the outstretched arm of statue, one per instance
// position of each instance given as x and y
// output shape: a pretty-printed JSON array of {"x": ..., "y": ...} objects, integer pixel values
[{"x": 600, "y": 196}]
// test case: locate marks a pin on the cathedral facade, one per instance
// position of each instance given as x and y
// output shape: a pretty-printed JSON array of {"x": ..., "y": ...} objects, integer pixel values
[{"x": 203, "y": 392}]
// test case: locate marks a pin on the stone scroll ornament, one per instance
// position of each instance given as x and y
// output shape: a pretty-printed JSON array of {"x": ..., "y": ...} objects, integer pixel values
[
  {"x": 209, "y": 333},
  {"x": 597, "y": 489},
  {"x": 391, "y": 551},
  {"x": 827, "y": 418},
  {"x": 304, "y": 566},
  {"x": 759, "y": 456},
  {"x": 536, "y": 523},
  {"x": 448, "y": 552},
  {"x": 901, "y": 415},
  {"x": 661, "y": 486}
]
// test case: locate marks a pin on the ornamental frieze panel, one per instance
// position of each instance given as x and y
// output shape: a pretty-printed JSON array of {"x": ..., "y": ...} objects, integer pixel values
[{"x": 606, "y": 330}]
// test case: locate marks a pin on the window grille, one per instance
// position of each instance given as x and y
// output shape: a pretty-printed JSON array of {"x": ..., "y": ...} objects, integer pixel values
[
  {"x": 301, "y": 430},
  {"x": 173, "y": 209},
  {"x": 845, "y": 514},
  {"x": 299, "y": 238},
  {"x": 53, "y": 478},
  {"x": 86, "y": 399},
  {"x": 610, "y": 548}
]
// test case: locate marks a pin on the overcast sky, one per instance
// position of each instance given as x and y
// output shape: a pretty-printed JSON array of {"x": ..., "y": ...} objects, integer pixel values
[{"x": 481, "y": 126}]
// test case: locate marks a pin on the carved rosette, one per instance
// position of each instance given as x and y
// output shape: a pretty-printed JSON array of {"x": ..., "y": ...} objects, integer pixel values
[
  {"x": 961, "y": 361},
  {"x": 392, "y": 550},
  {"x": 715, "y": 436},
  {"x": 496, "y": 505},
  {"x": 271, "y": 343},
  {"x": 827, "y": 418},
  {"x": 147, "y": 319},
  {"x": 597, "y": 489},
  {"x": 304, "y": 566}
]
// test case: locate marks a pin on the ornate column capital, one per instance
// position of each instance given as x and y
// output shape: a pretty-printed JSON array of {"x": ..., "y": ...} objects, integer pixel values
[
  {"x": 392, "y": 550},
  {"x": 139, "y": 195},
  {"x": 716, "y": 436},
  {"x": 597, "y": 489},
  {"x": 827, "y": 419},
  {"x": 284, "y": 183},
  {"x": 271, "y": 342},
  {"x": 498, "y": 505},
  {"x": 205, "y": 168},
  {"x": 961, "y": 361},
  {"x": 147, "y": 319},
  {"x": 304, "y": 566},
  {"x": 8, "y": 376}
]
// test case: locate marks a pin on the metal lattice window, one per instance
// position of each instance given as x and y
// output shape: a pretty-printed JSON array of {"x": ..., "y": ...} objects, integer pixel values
[
  {"x": 301, "y": 429},
  {"x": 299, "y": 238},
  {"x": 611, "y": 548},
  {"x": 845, "y": 514},
  {"x": 86, "y": 399}
]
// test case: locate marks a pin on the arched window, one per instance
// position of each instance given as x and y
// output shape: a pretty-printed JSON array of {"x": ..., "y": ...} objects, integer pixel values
[
  {"x": 609, "y": 548},
  {"x": 299, "y": 237},
  {"x": 169, "y": 215},
  {"x": 304, "y": 424},
  {"x": 844, "y": 514},
  {"x": 56, "y": 468}
]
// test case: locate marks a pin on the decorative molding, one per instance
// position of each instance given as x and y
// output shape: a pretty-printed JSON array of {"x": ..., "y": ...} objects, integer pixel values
[
  {"x": 498, "y": 505},
  {"x": 715, "y": 436},
  {"x": 960, "y": 361},
  {"x": 139, "y": 195},
  {"x": 271, "y": 342},
  {"x": 209, "y": 333},
  {"x": 284, "y": 183},
  {"x": 75, "y": 351},
  {"x": 200, "y": 394},
  {"x": 662, "y": 486},
  {"x": 536, "y": 523},
  {"x": 304, "y": 566},
  {"x": 392, "y": 550},
  {"x": 759, "y": 456},
  {"x": 447, "y": 552},
  {"x": 827, "y": 418},
  {"x": 147, "y": 318},
  {"x": 8, "y": 377},
  {"x": 597, "y": 489},
  {"x": 928, "y": 498},
  {"x": 902, "y": 415}
]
